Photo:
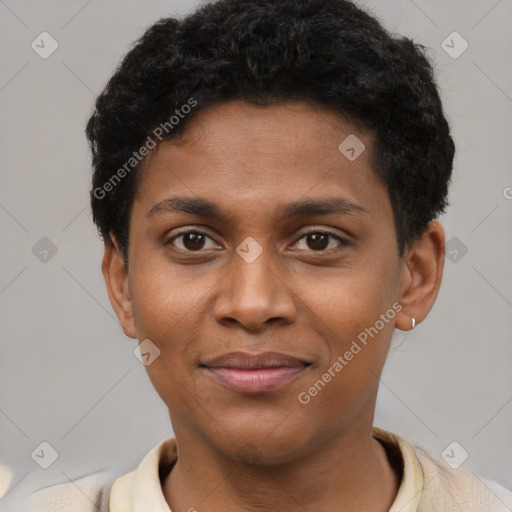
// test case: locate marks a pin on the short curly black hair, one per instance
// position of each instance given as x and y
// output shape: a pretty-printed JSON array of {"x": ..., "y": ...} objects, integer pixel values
[{"x": 328, "y": 52}]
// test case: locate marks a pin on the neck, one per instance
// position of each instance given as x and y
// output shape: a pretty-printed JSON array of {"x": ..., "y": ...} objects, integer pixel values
[{"x": 350, "y": 473}]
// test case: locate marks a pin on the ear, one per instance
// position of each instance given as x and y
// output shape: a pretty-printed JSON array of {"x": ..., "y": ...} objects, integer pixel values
[
  {"x": 422, "y": 272},
  {"x": 116, "y": 279}
]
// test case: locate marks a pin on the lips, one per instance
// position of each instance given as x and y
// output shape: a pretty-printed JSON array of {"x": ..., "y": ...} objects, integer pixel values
[{"x": 255, "y": 373}]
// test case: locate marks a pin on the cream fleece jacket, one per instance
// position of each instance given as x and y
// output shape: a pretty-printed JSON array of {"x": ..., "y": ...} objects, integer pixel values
[{"x": 426, "y": 486}]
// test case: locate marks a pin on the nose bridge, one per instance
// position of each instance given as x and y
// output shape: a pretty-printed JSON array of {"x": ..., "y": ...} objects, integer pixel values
[
  {"x": 252, "y": 291},
  {"x": 254, "y": 278}
]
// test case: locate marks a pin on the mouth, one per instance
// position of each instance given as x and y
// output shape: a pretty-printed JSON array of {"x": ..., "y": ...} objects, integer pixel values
[{"x": 249, "y": 373}]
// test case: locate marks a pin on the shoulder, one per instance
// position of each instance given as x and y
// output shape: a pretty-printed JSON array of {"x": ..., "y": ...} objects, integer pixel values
[
  {"x": 458, "y": 489},
  {"x": 103, "y": 491},
  {"x": 5, "y": 479},
  {"x": 429, "y": 485},
  {"x": 86, "y": 494}
]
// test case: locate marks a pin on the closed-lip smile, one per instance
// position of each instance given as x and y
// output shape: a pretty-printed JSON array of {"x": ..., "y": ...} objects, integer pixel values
[{"x": 254, "y": 373}]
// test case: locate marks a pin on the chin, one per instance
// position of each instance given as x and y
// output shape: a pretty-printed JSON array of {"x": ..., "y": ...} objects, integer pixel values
[{"x": 267, "y": 443}]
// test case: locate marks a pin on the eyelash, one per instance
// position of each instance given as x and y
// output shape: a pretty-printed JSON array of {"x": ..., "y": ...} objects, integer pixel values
[{"x": 342, "y": 241}]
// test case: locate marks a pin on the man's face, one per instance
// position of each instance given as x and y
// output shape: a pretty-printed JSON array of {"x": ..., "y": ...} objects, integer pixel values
[{"x": 264, "y": 276}]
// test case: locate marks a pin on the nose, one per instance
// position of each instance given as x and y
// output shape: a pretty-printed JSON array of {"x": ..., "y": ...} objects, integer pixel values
[{"x": 254, "y": 294}]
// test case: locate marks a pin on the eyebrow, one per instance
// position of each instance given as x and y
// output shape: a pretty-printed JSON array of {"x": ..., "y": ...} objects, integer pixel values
[{"x": 205, "y": 208}]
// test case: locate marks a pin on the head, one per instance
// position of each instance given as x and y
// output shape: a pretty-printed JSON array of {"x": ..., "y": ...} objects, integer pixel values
[{"x": 305, "y": 152}]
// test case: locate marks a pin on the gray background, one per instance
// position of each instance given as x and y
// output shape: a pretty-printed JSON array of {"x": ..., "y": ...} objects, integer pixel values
[{"x": 68, "y": 375}]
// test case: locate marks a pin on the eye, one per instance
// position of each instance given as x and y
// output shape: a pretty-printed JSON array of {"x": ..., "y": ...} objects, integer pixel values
[
  {"x": 319, "y": 241},
  {"x": 191, "y": 241}
]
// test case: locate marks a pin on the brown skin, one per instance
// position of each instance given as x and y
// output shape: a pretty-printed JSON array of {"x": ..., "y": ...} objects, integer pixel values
[{"x": 299, "y": 297}]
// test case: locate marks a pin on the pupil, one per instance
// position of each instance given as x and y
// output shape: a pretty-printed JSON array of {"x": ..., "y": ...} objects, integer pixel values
[
  {"x": 193, "y": 241},
  {"x": 320, "y": 239}
]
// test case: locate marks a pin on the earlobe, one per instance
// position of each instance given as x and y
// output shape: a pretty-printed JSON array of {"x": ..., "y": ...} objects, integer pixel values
[
  {"x": 422, "y": 273},
  {"x": 117, "y": 282}
]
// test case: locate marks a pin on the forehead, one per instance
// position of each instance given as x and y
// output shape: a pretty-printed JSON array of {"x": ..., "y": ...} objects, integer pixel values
[
  {"x": 235, "y": 152},
  {"x": 287, "y": 129}
]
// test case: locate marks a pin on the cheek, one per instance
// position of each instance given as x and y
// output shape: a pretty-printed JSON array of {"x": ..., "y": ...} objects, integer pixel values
[
  {"x": 356, "y": 311},
  {"x": 166, "y": 308},
  {"x": 360, "y": 331},
  {"x": 360, "y": 324},
  {"x": 353, "y": 299},
  {"x": 165, "y": 300}
]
